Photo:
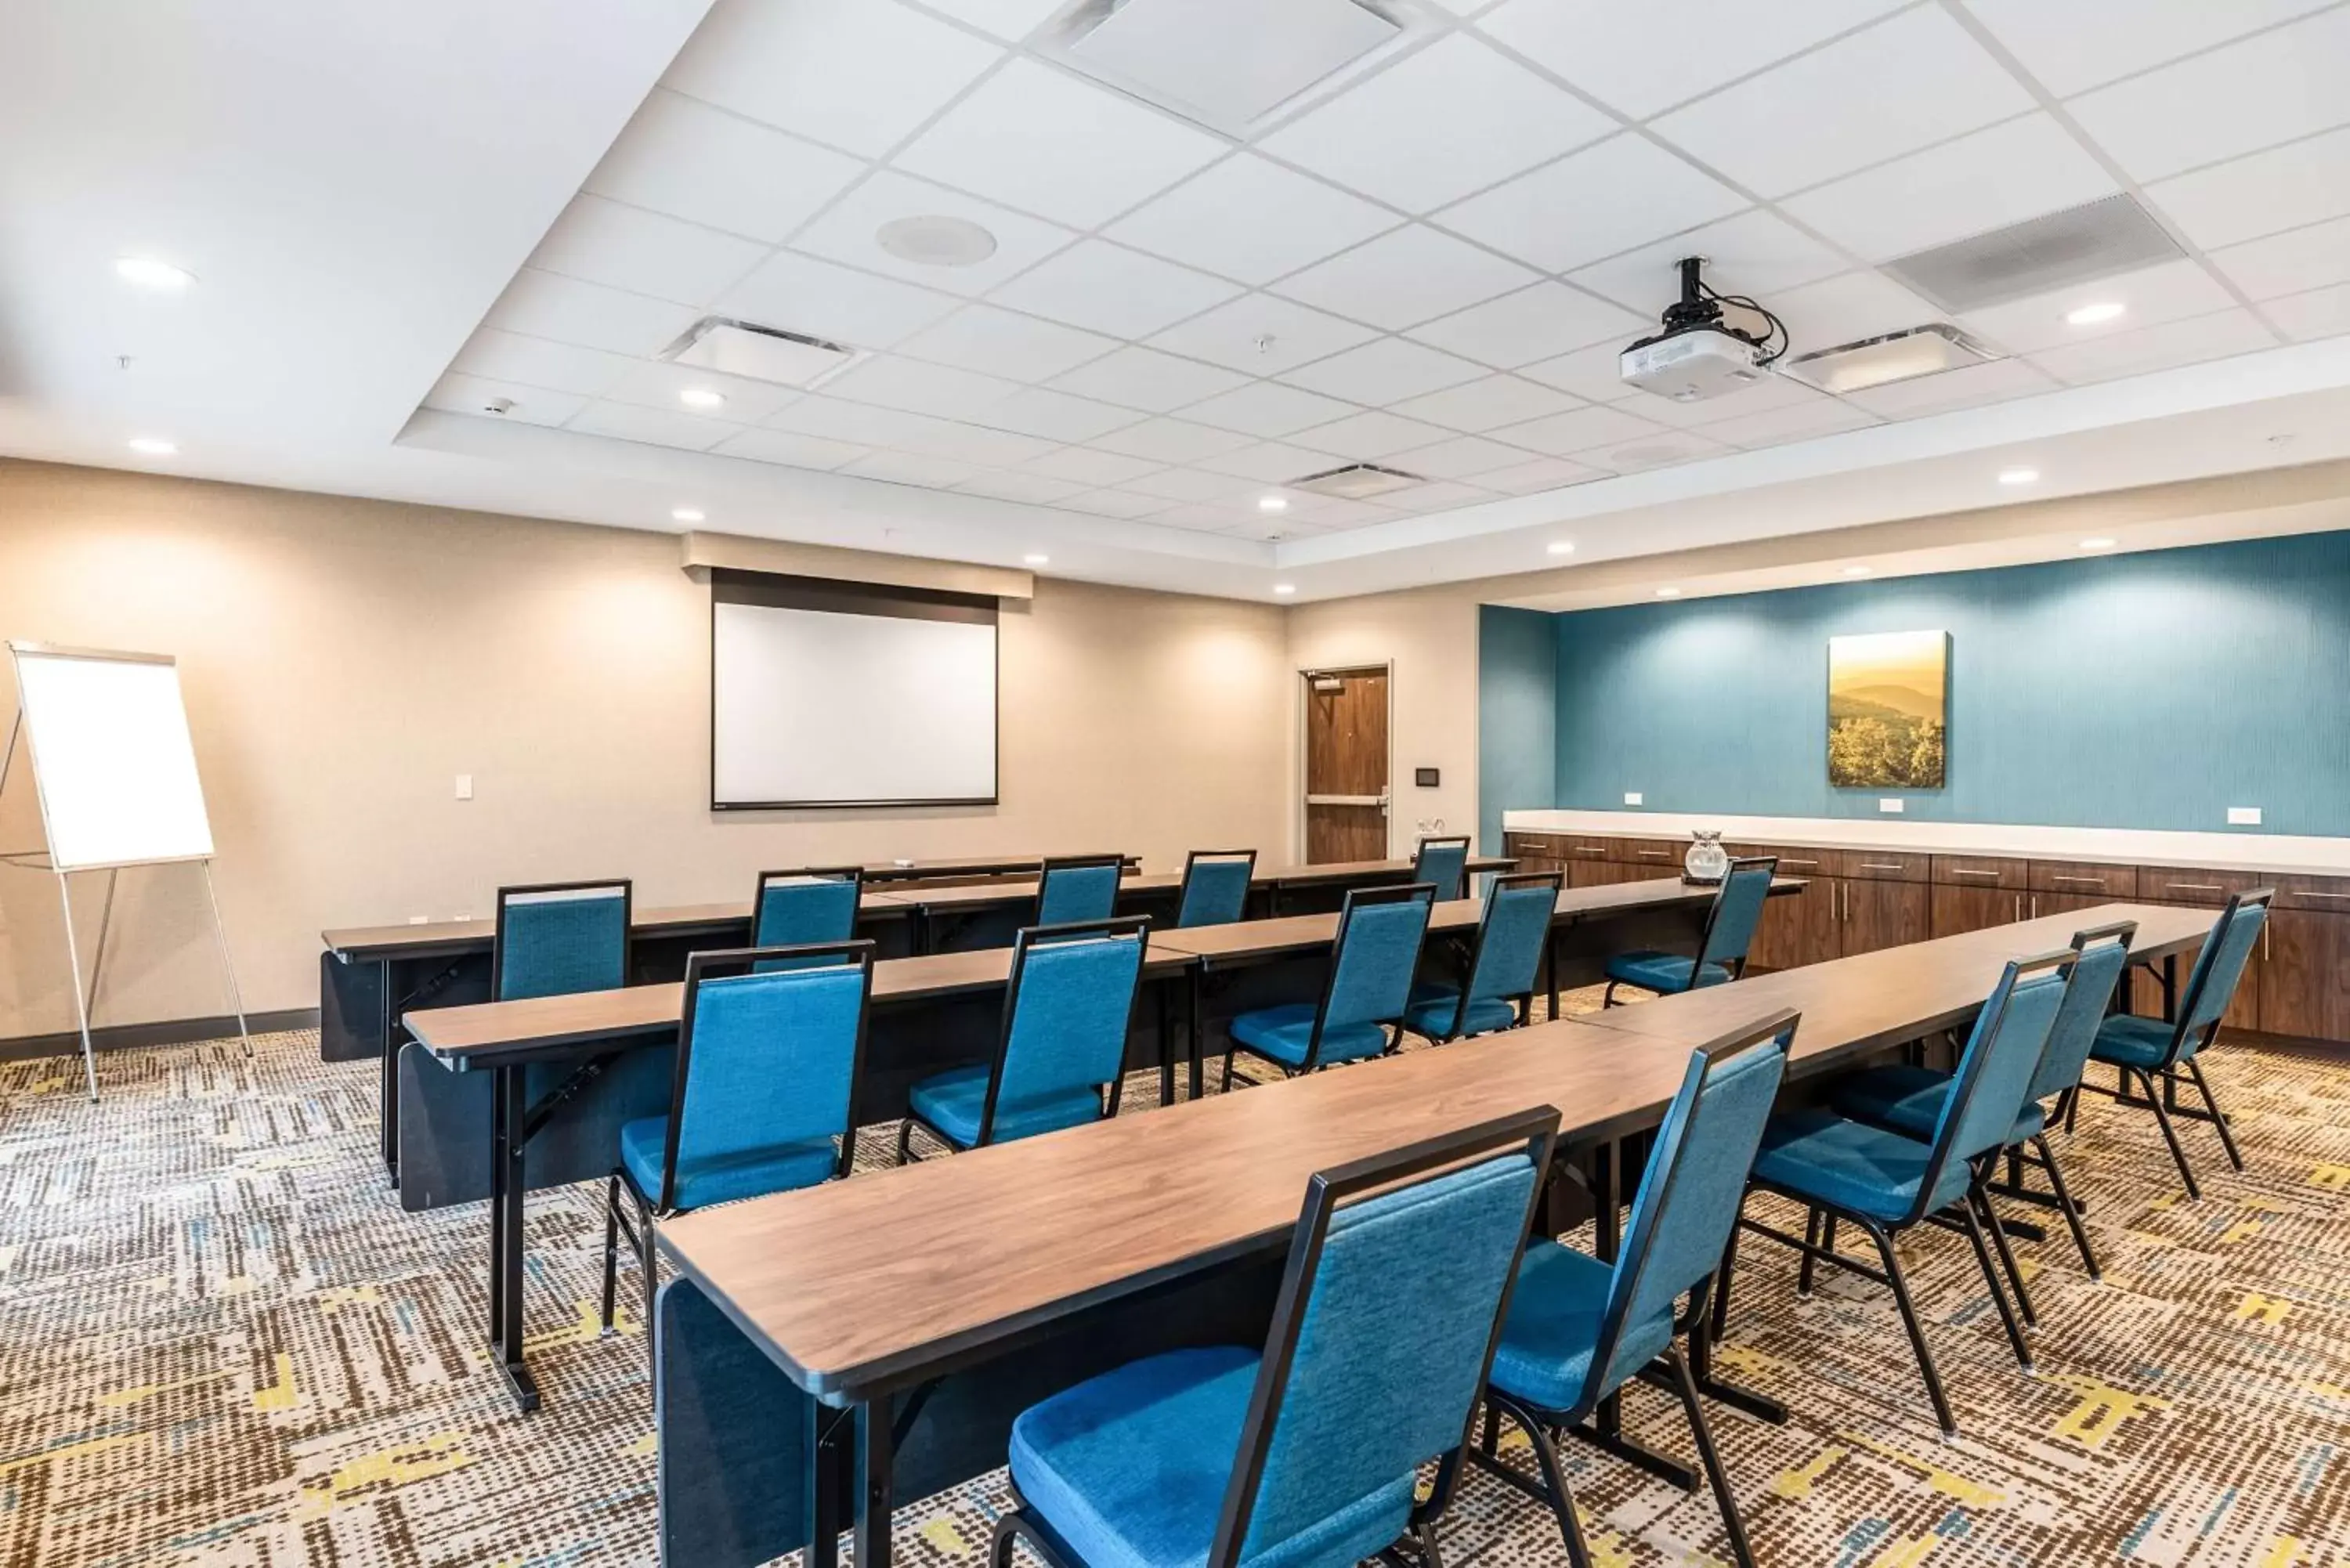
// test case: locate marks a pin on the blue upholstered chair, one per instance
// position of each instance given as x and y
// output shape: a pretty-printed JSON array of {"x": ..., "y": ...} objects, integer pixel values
[
  {"x": 762, "y": 1097},
  {"x": 1078, "y": 888},
  {"x": 1305, "y": 1454},
  {"x": 558, "y": 938},
  {"x": 795, "y": 908},
  {"x": 2145, "y": 1049},
  {"x": 1498, "y": 988},
  {"x": 1579, "y": 1329},
  {"x": 1443, "y": 865},
  {"x": 1720, "y": 958},
  {"x": 1215, "y": 887},
  {"x": 1060, "y": 1061},
  {"x": 1886, "y": 1183},
  {"x": 1368, "y": 987},
  {"x": 1908, "y": 1099}
]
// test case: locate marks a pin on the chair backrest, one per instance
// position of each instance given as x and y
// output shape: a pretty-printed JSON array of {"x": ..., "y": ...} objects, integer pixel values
[
  {"x": 1215, "y": 887},
  {"x": 1078, "y": 888},
  {"x": 1067, "y": 1012},
  {"x": 558, "y": 937},
  {"x": 1443, "y": 864},
  {"x": 2212, "y": 983},
  {"x": 768, "y": 1056},
  {"x": 1510, "y": 935},
  {"x": 795, "y": 908},
  {"x": 2001, "y": 1055},
  {"x": 2104, "y": 953},
  {"x": 1691, "y": 1192},
  {"x": 1372, "y": 962},
  {"x": 1382, "y": 1336},
  {"x": 1737, "y": 910}
]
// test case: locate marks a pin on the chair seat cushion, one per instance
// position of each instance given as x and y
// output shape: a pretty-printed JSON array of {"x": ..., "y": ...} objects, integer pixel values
[
  {"x": 721, "y": 1178},
  {"x": 1666, "y": 973},
  {"x": 1908, "y": 1100},
  {"x": 952, "y": 1101},
  {"x": 2127, "y": 1041},
  {"x": 1818, "y": 1155},
  {"x": 1434, "y": 1008},
  {"x": 1283, "y": 1033},
  {"x": 1544, "y": 1357}
]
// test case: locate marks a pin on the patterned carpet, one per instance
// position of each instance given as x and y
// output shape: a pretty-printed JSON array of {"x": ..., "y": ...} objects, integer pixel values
[{"x": 222, "y": 1343}]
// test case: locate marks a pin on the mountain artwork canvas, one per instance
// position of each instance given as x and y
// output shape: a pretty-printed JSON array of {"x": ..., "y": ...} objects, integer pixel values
[{"x": 1887, "y": 710}]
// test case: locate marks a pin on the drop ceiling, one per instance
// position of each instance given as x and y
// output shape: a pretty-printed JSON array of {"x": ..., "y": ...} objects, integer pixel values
[{"x": 1426, "y": 259}]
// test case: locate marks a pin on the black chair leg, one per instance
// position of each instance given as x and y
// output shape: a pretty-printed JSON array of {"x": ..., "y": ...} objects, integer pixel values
[
  {"x": 2170, "y": 1133},
  {"x": 1991, "y": 1282},
  {"x": 1423, "y": 1535},
  {"x": 1981, "y": 1199},
  {"x": 1908, "y": 1308},
  {"x": 1721, "y": 1281},
  {"x": 2072, "y": 1109},
  {"x": 1804, "y": 1269},
  {"x": 2065, "y": 1206},
  {"x": 612, "y": 1247},
  {"x": 1562, "y": 1500},
  {"x": 1741, "y": 1553},
  {"x": 905, "y": 1139},
  {"x": 2218, "y": 1121}
]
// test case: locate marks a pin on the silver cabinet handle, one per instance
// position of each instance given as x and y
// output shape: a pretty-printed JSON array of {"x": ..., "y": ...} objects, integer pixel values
[
  {"x": 2019, "y": 905},
  {"x": 2313, "y": 894},
  {"x": 2086, "y": 881},
  {"x": 1810, "y": 863},
  {"x": 2035, "y": 906},
  {"x": 2197, "y": 887},
  {"x": 1963, "y": 871},
  {"x": 1656, "y": 853},
  {"x": 1880, "y": 866},
  {"x": 1587, "y": 849}
]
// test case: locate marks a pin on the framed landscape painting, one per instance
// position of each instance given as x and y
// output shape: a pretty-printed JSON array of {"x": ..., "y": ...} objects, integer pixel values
[{"x": 1887, "y": 710}]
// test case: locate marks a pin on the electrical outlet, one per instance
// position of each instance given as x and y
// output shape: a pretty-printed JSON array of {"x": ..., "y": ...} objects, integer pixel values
[
  {"x": 2243, "y": 816},
  {"x": 465, "y": 786},
  {"x": 1892, "y": 804},
  {"x": 1633, "y": 797}
]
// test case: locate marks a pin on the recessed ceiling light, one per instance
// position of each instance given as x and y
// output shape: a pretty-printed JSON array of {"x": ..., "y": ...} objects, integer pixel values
[
  {"x": 686, "y": 514},
  {"x": 148, "y": 273},
  {"x": 1284, "y": 589},
  {"x": 1038, "y": 560},
  {"x": 931, "y": 240},
  {"x": 1859, "y": 571},
  {"x": 2096, "y": 544},
  {"x": 2019, "y": 476},
  {"x": 1272, "y": 504},
  {"x": 1669, "y": 593},
  {"x": 153, "y": 446},
  {"x": 1560, "y": 547},
  {"x": 701, "y": 398},
  {"x": 2096, "y": 314}
]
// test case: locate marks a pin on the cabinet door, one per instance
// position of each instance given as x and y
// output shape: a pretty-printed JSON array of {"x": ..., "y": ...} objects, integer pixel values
[
  {"x": 1884, "y": 915},
  {"x": 1602, "y": 873},
  {"x": 2304, "y": 975},
  {"x": 1796, "y": 929},
  {"x": 1968, "y": 909}
]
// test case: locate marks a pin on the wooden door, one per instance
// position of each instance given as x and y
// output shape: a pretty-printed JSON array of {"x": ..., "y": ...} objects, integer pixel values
[
  {"x": 1958, "y": 909},
  {"x": 1345, "y": 765},
  {"x": 1883, "y": 915}
]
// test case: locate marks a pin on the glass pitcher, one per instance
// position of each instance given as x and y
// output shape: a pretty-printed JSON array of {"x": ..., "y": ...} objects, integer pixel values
[{"x": 1707, "y": 861}]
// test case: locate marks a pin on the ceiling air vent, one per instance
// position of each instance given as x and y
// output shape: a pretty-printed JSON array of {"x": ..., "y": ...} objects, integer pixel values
[
  {"x": 1356, "y": 482},
  {"x": 2039, "y": 256},
  {"x": 759, "y": 353},
  {"x": 1227, "y": 64},
  {"x": 1895, "y": 356}
]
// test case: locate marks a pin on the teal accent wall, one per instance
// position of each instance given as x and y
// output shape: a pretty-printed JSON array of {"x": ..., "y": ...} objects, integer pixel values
[
  {"x": 2153, "y": 689},
  {"x": 1517, "y": 715}
]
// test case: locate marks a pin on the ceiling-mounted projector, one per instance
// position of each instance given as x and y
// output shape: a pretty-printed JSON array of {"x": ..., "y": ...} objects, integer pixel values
[{"x": 1699, "y": 355}]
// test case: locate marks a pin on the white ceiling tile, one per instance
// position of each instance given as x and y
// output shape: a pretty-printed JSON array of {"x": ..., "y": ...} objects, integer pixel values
[
  {"x": 821, "y": 299},
  {"x": 1147, "y": 378},
  {"x": 857, "y": 74},
  {"x": 2213, "y": 337},
  {"x": 2170, "y": 292},
  {"x": 1640, "y": 58},
  {"x": 659, "y": 427},
  {"x": 1845, "y": 309},
  {"x": 1596, "y": 373},
  {"x": 623, "y": 247},
  {"x": 1372, "y": 435},
  {"x": 1085, "y": 466},
  {"x": 1271, "y": 462},
  {"x": 2075, "y": 44},
  {"x": 969, "y": 443},
  {"x": 1660, "y": 450},
  {"x": 1267, "y": 409},
  {"x": 1770, "y": 393},
  {"x": 1259, "y": 335},
  {"x": 2314, "y": 257},
  {"x": 1543, "y": 474},
  {"x": 1169, "y": 441},
  {"x": 1116, "y": 503},
  {"x": 1442, "y": 496},
  {"x": 1481, "y": 405},
  {"x": 1801, "y": 422},
  {"x": 1405, "y": 277},
  {"x": 1969, "y": 387},
  {"x": 2284, "y": 187},
  {"x": 1007, "y": 19},
  {"x": 1005, "y": 343},
  {"x": 1755, "y": 252},
  {"x": 2017, "y": 170},
  {"x": 1250, "y": 219},
  {"x": 1329, "y": 516},
  {"x": 1190, "y": 484},
  {"x": 1038, "y": 411},
  {"x": 1625, "y": 192},
  {"x": 858, "y": 423},
  {"x": 1036, "y": 139},
  {"x": 2320, "y": 313},
  {"x": 1207, "y": 519},
  {"x": 539, "y": 362},
  {"x": 911, "y": 468},
  {"x": 657, "y": 385},
  {"x": 1108, "y": 289},
  {"x": 1557, "y": 435},
  {"x": 848, "y": 232},
  {"x": 790, "y": 448},
  {"x": 1384, "y": 372},
  {"x": 1537, "y": 323},
  {"x": 1910, "y": 81},
  {"x": 2231, "y": 101},
  {"x": 543, "y": 305},
  {"x": 456, "y": 393},
  {"x": 920, "y": 388},
  {"x": 1034, "y": 489},
  {"x": 1457, "y": 116},
  {"x": 1462, "y": 457},
  {"x": 682, "y": 157}
]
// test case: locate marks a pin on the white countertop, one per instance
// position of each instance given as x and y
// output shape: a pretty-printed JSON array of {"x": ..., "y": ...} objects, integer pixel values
[{"x": 2253, "y": 852}]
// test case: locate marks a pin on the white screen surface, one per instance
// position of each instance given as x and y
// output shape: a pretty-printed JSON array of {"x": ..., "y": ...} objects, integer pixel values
[
  {"x": 819, "y": 708},
  {"x": 111, "y": 752}
]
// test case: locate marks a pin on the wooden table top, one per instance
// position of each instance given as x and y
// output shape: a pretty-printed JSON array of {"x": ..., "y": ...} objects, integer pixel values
[
  {"x": 1018, "y": 890},
  {"x": 1342, "y": 870},
  {"x": 967, "y": 865}
]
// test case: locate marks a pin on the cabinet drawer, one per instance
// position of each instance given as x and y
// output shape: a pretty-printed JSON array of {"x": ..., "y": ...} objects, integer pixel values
[
  {"x": 1664, "y": 854},
  {"x": 1583, "y": 846},
  {"x": 1886, "y": 865},
  {"x": 2084, "y": 879},
  {"x": 1981, "y": 871},
  {"x": 2194, "y": 885},
  {"x": 1538, "y": 845},
  {"x": 2325, "y": 895},
  {"x": 1795, "y": 862}
]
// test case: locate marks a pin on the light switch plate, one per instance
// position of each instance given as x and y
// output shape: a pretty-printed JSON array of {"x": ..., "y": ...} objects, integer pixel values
[
  {"x": 1632, "y": 797},
  {"x": 2243, "y": 816},
  {"x": 1892, "y": 804},
  {"x": 465, "y": 786}
]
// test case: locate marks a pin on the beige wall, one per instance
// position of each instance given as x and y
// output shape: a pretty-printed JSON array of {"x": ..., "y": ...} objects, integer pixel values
[{"x": 344, "y": 660}]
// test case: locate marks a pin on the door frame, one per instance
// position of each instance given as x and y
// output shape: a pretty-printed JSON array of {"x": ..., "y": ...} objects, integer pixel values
[{"x": 1305, "y": 673}]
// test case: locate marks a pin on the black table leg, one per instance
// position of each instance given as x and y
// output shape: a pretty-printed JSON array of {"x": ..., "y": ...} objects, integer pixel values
[
  {"x": 826, "y": 1441},
  {"x": 1761, "y": 1407},
  {"x": 1166, "y": 1044},
  {"x": 1191, "y": 1025},
  {"x": 507, "y": 1186},
  {"x": 388, "y": 1113},
  {"x": 1550, "y": 970},
  {"x": 874, "y": 1458}
]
